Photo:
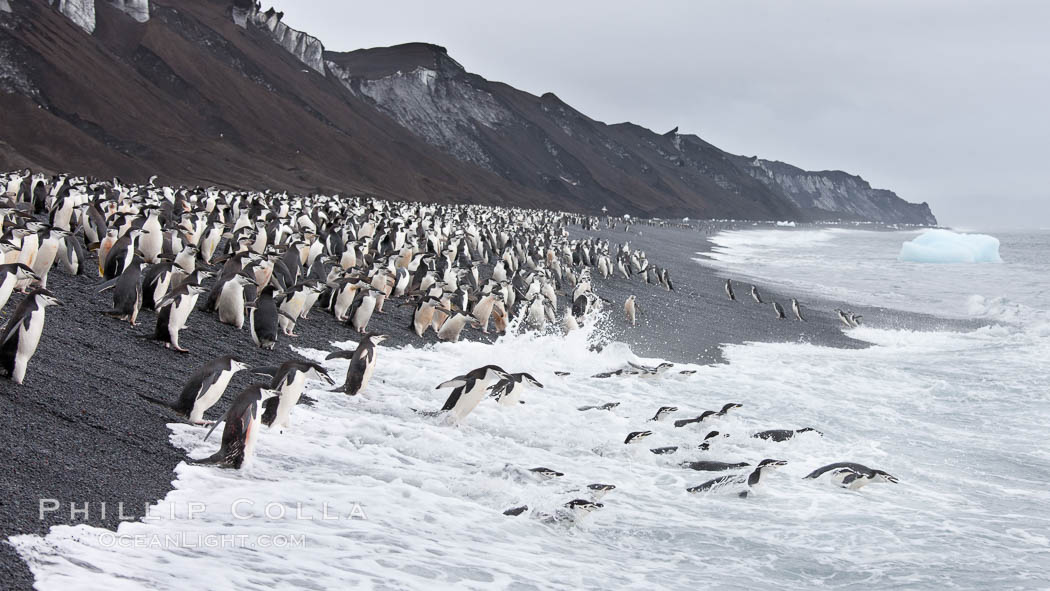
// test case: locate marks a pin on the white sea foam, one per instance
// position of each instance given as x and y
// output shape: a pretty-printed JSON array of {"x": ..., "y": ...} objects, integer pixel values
[
  {"x": 970, "y": 509},
  {"x": 958, "y": 417}
]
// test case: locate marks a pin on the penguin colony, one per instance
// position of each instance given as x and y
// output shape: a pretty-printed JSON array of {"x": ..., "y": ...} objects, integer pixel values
[{"x": 262, "y": 261}]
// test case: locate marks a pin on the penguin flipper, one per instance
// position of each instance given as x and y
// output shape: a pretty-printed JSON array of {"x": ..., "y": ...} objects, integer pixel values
[
  {"x": 347, "y": 354},
  {"x": 453, "y": 383}
]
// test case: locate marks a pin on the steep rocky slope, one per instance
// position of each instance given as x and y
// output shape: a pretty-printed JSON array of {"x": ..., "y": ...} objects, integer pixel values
[{"x": 223, "y": 92}]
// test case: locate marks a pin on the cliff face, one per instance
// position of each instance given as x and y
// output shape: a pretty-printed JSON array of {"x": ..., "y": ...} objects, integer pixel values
[
  {"x": 221, "y": 92},
  {"x": 838, "y": 192},
  {"x": 545, "y": 144}
]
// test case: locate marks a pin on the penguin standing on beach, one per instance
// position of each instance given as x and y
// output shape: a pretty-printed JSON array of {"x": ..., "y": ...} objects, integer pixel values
[
  {"x": 755, "y": 295},
  {"x": 630, "y": 310},
  {"x": 362, "y": 363},
  {"x": 241, "y": 429},
  {"x": 729, "y": 289},
  {"x": 11, "y": 275},
  {"x": 778, "y": 310},
  {"x": 262, "y": 319},
  {"x": 176, "y": 309},
  {"x": 127, "y": 292},
  {"x": 204, "y": 388},
  {"x": 22, "y": 333},
  {"x": 797, "y": 309}
]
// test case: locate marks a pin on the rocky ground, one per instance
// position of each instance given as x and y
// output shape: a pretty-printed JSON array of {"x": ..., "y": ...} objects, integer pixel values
[{"x": 76, "y": 431}]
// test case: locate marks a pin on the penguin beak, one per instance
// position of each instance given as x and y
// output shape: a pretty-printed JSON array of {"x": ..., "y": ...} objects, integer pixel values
[{"x": 892, "y": 478}]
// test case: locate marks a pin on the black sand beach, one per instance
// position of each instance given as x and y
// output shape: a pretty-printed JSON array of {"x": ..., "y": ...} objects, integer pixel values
[{"x": 78, "y": 432}]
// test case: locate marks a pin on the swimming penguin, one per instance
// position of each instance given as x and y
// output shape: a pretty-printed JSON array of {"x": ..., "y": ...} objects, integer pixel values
[
  {"x": 507, "y": 391},
  {"x": 127, "y": 292},
  {"x": 598, "y": 490},
  {"x": 729, "y": 290},
  {"x": 204, "y": 388},
  {"x": 705, "y": 445},
  {"x": 22, "y": 333},
  {"x": 580, "y": 508},
  {"x": 289, "y": 380},
  {"x": 546, "y": 473},
  {"x": 797, "y": 309},
  {"x": 637, "y": 436},
  {"x": 468, "y": 390},
  {"x": 362, "y": 363},
  {"x": 779, "y": 435},
  {"x": 630, "y": 311},
  {"x": 241, "y": 430},
  {"x": 778, "y": 310},
  {"x": 663, "y": 412},
  {"x": 852, "y": 476},
  {"x": 606, "y": 406},
  {"x": 755, "y": 295},
  {"x": 844, "y": 317},
  {"x": 700, "y": 419},
  {"x": 710, "y": 466},
  {"x": 515, "y": 511},
  {"x": 728, "y": 407},
  {"x": 660, "y": 451},
  {"x": 11, "y": 275},
  {"x": 752, "y": 480}
]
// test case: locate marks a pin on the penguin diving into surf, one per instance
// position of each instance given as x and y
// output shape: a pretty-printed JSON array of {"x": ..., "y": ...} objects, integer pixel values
[
  {"x": 468, "y": 390},
  {"x": 765, "y": 467},
  {"x": 507, "y": 391},
  {"x": 240, "y": 431},
  {"x": 362, "y": 364},
  {"x": 851, "y": 475}
]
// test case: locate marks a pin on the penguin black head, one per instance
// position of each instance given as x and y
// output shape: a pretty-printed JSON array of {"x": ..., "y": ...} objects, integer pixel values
[
  {"x": 884, "y": 476},
  {"x": 44, "y": 297},
  {"x": 583, "y": 505},
  {"x": 729, "y": 406},
  {"x": 808, "y": 429},
  {"x": 768, "y": 463}
]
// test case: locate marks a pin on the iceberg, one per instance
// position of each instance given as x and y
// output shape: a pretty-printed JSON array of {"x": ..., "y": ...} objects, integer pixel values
[{"x": 945, "y": 246}]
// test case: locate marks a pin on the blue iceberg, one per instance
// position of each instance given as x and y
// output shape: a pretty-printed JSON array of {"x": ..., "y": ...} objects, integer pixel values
[{"x": 945, "y": 246}]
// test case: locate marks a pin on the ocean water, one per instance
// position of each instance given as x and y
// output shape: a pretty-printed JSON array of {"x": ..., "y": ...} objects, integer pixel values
[{"x": 364, "y": 492}]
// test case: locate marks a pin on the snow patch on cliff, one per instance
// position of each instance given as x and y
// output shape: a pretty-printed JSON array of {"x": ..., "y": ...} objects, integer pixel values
[
  {"x": 136, "y": 9},
  {"x": 81, "y": 12}
]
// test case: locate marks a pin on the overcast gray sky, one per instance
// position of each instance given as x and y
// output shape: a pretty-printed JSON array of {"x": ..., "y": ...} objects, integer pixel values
[{"x": 942, "y": 101}]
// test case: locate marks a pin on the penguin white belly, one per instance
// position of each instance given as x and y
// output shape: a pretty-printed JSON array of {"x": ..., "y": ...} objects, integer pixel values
[
  {"x": 209, "y": 397},
  {"x": 290, "y": 395},
  {"x": 250, "y": 436},
  {"x": 364, "y": 313},
  {"x": 150, "y": 244},
  {"x": 343, "y": 301},
  {"x": 451, "y": 329},
  {"x": 468, "y": 401},
  {"x": 6, "y": 287},
  {"x": 251, "y": 327},
  {"x": 180, "y": 311},
  {"x": 231, "y": 304},
  {"x": 513, "y": 397},
  {"x": 370, "y": 368},
  {"x": 28, "y": 339}
]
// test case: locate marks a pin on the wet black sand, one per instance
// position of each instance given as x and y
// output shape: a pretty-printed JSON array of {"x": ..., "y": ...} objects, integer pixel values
[{"x": 77, "y": 431}]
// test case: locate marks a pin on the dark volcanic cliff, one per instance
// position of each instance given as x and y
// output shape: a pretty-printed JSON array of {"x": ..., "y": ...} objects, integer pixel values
[{"x": 220, "y": 92}]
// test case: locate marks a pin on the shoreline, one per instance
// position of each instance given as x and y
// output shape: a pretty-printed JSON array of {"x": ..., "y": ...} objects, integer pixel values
[{"x": 80, "y": 433}]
